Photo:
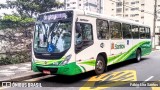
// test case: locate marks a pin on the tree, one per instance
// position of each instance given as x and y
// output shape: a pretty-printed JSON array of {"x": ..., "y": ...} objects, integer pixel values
[
  {"x": 14, "y": 21},
  {"x": 30, "y": 8},
  {"x": 17, "y": 28}
]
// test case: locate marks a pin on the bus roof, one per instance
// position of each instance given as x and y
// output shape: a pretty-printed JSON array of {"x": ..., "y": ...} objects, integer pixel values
[{"x": 102, "y": 16}]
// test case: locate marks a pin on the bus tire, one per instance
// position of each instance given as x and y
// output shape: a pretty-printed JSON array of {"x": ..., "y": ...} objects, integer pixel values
[
  {"x": 138, "y": 55},
  {"x": 100, "y": 65}
]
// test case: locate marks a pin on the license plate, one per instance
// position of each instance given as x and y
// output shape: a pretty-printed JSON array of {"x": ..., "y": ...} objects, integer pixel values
[{"x": 46, "y": 72}]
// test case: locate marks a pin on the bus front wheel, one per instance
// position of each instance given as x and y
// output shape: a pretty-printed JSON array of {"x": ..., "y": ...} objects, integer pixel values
[{"x": 100, "y": 65}]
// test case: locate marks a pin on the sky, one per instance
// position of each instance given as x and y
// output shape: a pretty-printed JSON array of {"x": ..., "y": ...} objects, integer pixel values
[{"x": 7, "y": 11}]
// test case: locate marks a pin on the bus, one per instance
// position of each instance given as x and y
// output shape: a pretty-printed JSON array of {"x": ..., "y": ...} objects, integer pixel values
[{"x": 70, "y": 42}]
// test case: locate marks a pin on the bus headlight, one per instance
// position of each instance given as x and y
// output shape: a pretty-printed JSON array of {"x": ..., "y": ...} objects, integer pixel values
[{"x": 66, "y": 60}]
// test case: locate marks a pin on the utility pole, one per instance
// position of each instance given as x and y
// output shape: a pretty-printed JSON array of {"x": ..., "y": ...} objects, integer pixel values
[{"x": 154, "y": 23}]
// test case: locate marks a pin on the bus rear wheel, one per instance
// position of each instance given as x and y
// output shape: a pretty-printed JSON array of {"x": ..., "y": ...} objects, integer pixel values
[
  {"x": 100, "y": 65},
  {"x": 138, "y": 55}
]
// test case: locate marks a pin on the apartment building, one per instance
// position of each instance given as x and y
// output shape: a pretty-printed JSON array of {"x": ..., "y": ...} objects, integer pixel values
[
  {"x": 157, "y": 28},
  {"x": 136, "y": 10},
  {"x": 91, "y": 5}
]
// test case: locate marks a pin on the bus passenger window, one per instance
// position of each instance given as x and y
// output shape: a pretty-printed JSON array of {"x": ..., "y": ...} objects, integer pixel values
[
  {"x": 142, "y": 32},
  {"x": 115, "y": 29},
  {"x": 148, "y": 36},
  {"x": 126, "y": 28},
  {"x": 135, "y": 32},
  {"x": 102, "y": 29}
]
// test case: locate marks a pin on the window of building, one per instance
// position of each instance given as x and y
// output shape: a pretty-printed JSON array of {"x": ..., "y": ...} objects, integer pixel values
[
  {"x": 126, "y": 28},
  {"x": 118, "y": 10},
  {"x": 115, "y": 29},
  {"x": 136, "y": 1},
  {"x": 134, "y": 15},
  {"x": 68, "y": 5},
  {"x": 142, "y": 10},
  {"x": 119, "y": 15},
  {"x": 126, "y": 9},
  {"x": 142, "y": 32},
  {"x": 73, "y": 2},
  {"x": 142, "y": 4},
  {"x": 135, "y": 32},
  {"x": 102, "y": 29},
  {"x": 126, "y": 15},
  {"x": 126, "y": 3},
  {"x": 132, "y": 2},
  {"x": 158, "y": 19},
  {"x": 137, "y": 8},
  {"x": 118, "y": 4},
  {"x": 79, "y": 4},
  {"x": 142, "y": 17},
  {"x": 137, "y": 20}
]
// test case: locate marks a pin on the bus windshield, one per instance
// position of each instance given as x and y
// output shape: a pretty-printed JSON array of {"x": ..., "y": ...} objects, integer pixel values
[
  {"x": 53, "y": 32},
  {"x": 52, "y": 37}
]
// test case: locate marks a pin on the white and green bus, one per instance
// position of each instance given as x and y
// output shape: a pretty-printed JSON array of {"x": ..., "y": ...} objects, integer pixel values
[{"x": 71, "y": 42}]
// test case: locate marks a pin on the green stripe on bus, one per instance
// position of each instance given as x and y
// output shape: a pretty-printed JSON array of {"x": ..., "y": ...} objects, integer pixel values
[{"x": 124, "y": 56}]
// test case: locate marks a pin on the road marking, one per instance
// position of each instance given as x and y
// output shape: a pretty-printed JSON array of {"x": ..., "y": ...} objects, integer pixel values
[
  {"x": 149, "y": 78},
  {"x": 156, "y": 88},
  {"x": 103, "y": 81},
  {"x": 39, "y": 78},
  {"x": 146, "y": 80}
]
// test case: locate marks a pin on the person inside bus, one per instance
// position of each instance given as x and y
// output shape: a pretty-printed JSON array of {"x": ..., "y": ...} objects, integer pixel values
[{"x": 78, "y": 34}]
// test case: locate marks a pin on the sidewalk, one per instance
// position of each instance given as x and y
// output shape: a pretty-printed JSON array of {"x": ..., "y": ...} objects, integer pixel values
[{"x": 11, "y": 72}]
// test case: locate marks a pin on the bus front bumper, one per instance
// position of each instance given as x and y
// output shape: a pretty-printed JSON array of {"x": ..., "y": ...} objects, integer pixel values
[{"x": 68, "y": 69}]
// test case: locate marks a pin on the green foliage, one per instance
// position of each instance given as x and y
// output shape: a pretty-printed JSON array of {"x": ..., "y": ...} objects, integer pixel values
[
  {"x": 14, "y": 21},
  {"x": 30, "y": 8}
]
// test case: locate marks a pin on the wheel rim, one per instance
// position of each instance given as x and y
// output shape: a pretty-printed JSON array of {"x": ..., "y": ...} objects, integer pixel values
[
  {"x": 99, "y": 65},
  {"x": 138, "y": 56}
]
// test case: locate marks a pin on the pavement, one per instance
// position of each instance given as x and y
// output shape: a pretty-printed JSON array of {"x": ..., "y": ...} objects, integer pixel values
[{"x": 16, "y": 71}]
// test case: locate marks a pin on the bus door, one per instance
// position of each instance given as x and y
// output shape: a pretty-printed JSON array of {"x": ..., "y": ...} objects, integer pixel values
[{"x": 84, "y": 47}]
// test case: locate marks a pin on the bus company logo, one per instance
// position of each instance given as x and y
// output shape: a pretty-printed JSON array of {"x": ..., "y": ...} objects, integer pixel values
[
  {"x": 117, "y": 46},
  {"x": 112, "y": 46},
  {"x": 45, "y": 62}
]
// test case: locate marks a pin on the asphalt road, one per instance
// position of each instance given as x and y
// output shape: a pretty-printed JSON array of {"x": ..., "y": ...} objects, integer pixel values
[{"x": 146, "y": 72}]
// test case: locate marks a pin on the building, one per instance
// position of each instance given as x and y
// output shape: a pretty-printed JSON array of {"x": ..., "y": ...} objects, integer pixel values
[
  {"x": 137, "y": 10},
  {"x": 91, "y": 5},
  {"x": 157, "y": 28}
]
